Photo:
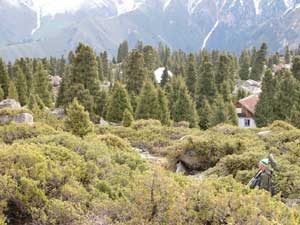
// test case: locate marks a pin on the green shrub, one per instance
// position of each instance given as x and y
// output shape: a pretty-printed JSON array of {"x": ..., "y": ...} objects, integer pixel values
[{"x": 140, "y": 124}]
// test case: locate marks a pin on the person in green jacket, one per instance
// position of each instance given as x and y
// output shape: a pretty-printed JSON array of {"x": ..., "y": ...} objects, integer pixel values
[{"x": 263, "y": 178}]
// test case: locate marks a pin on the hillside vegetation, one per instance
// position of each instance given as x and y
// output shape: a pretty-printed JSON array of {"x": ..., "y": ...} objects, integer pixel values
[{"x": 52, "y": 177}]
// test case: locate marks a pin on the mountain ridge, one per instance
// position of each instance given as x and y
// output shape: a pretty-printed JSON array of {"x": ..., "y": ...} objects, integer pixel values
[{"x": 208, "y": 24}]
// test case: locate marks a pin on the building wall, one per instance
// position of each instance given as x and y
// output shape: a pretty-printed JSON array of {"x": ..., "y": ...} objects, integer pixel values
[{"x": 242, "y": 122}]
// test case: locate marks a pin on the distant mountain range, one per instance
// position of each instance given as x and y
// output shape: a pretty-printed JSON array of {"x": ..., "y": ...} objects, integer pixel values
[{"x": 40, "y": 28}]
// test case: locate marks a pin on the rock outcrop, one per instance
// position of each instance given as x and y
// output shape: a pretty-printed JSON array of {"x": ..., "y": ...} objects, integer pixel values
[{"x": 10, "y": 103}]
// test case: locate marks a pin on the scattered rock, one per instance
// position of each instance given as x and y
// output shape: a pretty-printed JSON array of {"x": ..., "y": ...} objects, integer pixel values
[
  {"x": 292, "y": 202},
  {"x": 9, "y": 103},
  {"x": 182, "y": 124},
  {"x": 103, "y": 122},
  {"x": 180, "y": 168},
  {"x": 264, "y": 133},
  {"x": 55, "y": 80},
  {"x": 23, "y": 118},
  {"x": 58, "y": 112},
  {"x": 5, "y": 119}
]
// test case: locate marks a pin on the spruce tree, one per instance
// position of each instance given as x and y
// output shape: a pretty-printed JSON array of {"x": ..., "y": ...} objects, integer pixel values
[
  {"x": 183, "y": 106},
  {"x": 220, "y": 113},
  {"x": 42, "y": 85},
  {"x": 163, "y": 110},
  {"x": 205, "y": 113},
  {"x": 206, "y": 85},
  {"x": 150, "y": 57},
  {"x": 78, "y": 120},
  {"x": 4, "y": 79},
  {"x": 1, "y": 94},
  {"x": 105, "y": 66},
  {"x": 118, "y": 103},
  {"x": 122, "y": 51},
  {"x": 265, "y": 108},
  {"x": 12, "y": 91},
  {"x": 191, "y": 75},
  {"x": 147, "y": 107},
  {"x": 259, "y": 64},
  {"x": 223, "y": 71},
  {"x": 296, "y": 67},
  {"x": 127, "y": 118},
  {"x": 232, "y": 117},
  {"x": 287, "y": 55},
  {"x": 21, "y": 85},
  {"x": 245, "y": 64},
  {"x": 165, "y": 77},
  {"x": 135, "y": 73}
]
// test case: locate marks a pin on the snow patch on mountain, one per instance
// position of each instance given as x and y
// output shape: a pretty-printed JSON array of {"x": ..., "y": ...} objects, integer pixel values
[
  {"x": 209, "y": 34},
  {"x": 257, "y": 6},
  {"x": 166, "y": 5},
  {"x": 192, "y": 5}
]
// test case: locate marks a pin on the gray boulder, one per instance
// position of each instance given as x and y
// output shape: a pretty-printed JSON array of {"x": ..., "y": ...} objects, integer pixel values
[
  {"x": 23, "y": 118},
  {"x": 59, "y": 113},
  {"x": 10, "y": 103}
]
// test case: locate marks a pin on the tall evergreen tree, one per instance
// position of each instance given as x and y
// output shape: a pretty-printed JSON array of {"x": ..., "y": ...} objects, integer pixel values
[
  {"x": 42, "y": 85},
  {"x": 260, "y": 61},
  {"x": 223, "y": 71},
  {"x": 287, "y": 55},
  {"x": 21, "y": 85},
  {"x": 135, "y": 73},
  {"x": 183, "y": 107},
  {"x": 245, "y": 64},
  {"x": 296, "y": 67},
  {"x": 150, "y": 57},
  {"x": 232, "y": 117},
  {"x": 206, "y": 85},
  {"x": 105, "y": 66},
  {"x": 165, "y": 77},
  {"x": 191, "y": 75},
  {"x": 12, "y": 91},
  {"x": 264, "y": 112},
  {"x": 205, "y": 113},
  {"x": 163, "y": 109},
  {"x": 4, "y": 79},
  {"x": 147, "y": 107},
  {"x": 220, "y": 113},
  {"x": 122, "y": 52},
  {"x": 118, "y": 103}
]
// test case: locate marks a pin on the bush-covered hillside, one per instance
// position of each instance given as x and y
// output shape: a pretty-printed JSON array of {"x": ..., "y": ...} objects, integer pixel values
[{"x": 52, "y": 177}]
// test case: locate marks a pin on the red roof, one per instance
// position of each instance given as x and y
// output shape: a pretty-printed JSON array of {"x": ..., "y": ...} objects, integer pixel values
[{"x": 250, "y": 103}]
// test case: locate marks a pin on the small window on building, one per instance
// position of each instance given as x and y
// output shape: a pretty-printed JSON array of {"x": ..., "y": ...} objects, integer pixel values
[{"x": 247, "y": 123}]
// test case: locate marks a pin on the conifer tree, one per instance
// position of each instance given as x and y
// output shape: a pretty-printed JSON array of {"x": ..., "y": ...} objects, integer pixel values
[
  {"x": 118, "y": 103},
  {"x": 100, "y": 69},
  {"x": 264, "y": 112},
  {"x": 122, "y": 51},
  {"x": 163, "y": 110},
  {"x": 1, "y": 94},
  {"x": 223, "y": 71},
  {"x": 127, "y": 118},
  {"x": 220, "y": 113},
  {"x": 205, "y": 113},
  {"x": 78, "y": 120},
  {"x": 150, "y": 57},
  {"x": 42, "y": 85},
  {"x": 21, "y": 85},
  {"x": 4, "y": 79},
  {"x": 12, "y": 91},
  {"x": 147, "y": 107},
  {"x": 245, "y": 64},
  {"x": 206, "y": 85},
  {"x": 191, "y": 75},
  {"x": 105, "y": 66},
  {"x": 232, "y": 117},
  {"x": 295, "y": 115},
  {"x": 183, "y": 106},
  {"x": 296, "y": 67},
  {"x": 285, "y": 95},
  {"x": 135, "y": 73},
  {"x": 165, "y": 77},
  {"x": 287, "y": 55},
  {"x": 260, "y": 61},
  {"x": 85, "y": 68}
]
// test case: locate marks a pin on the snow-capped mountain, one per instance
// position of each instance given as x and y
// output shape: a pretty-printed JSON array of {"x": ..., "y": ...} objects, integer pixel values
[{"x": 53, "y": 27}]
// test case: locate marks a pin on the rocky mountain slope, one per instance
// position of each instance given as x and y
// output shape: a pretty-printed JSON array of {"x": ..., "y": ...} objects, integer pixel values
[{"x": 44, "y": 28}]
